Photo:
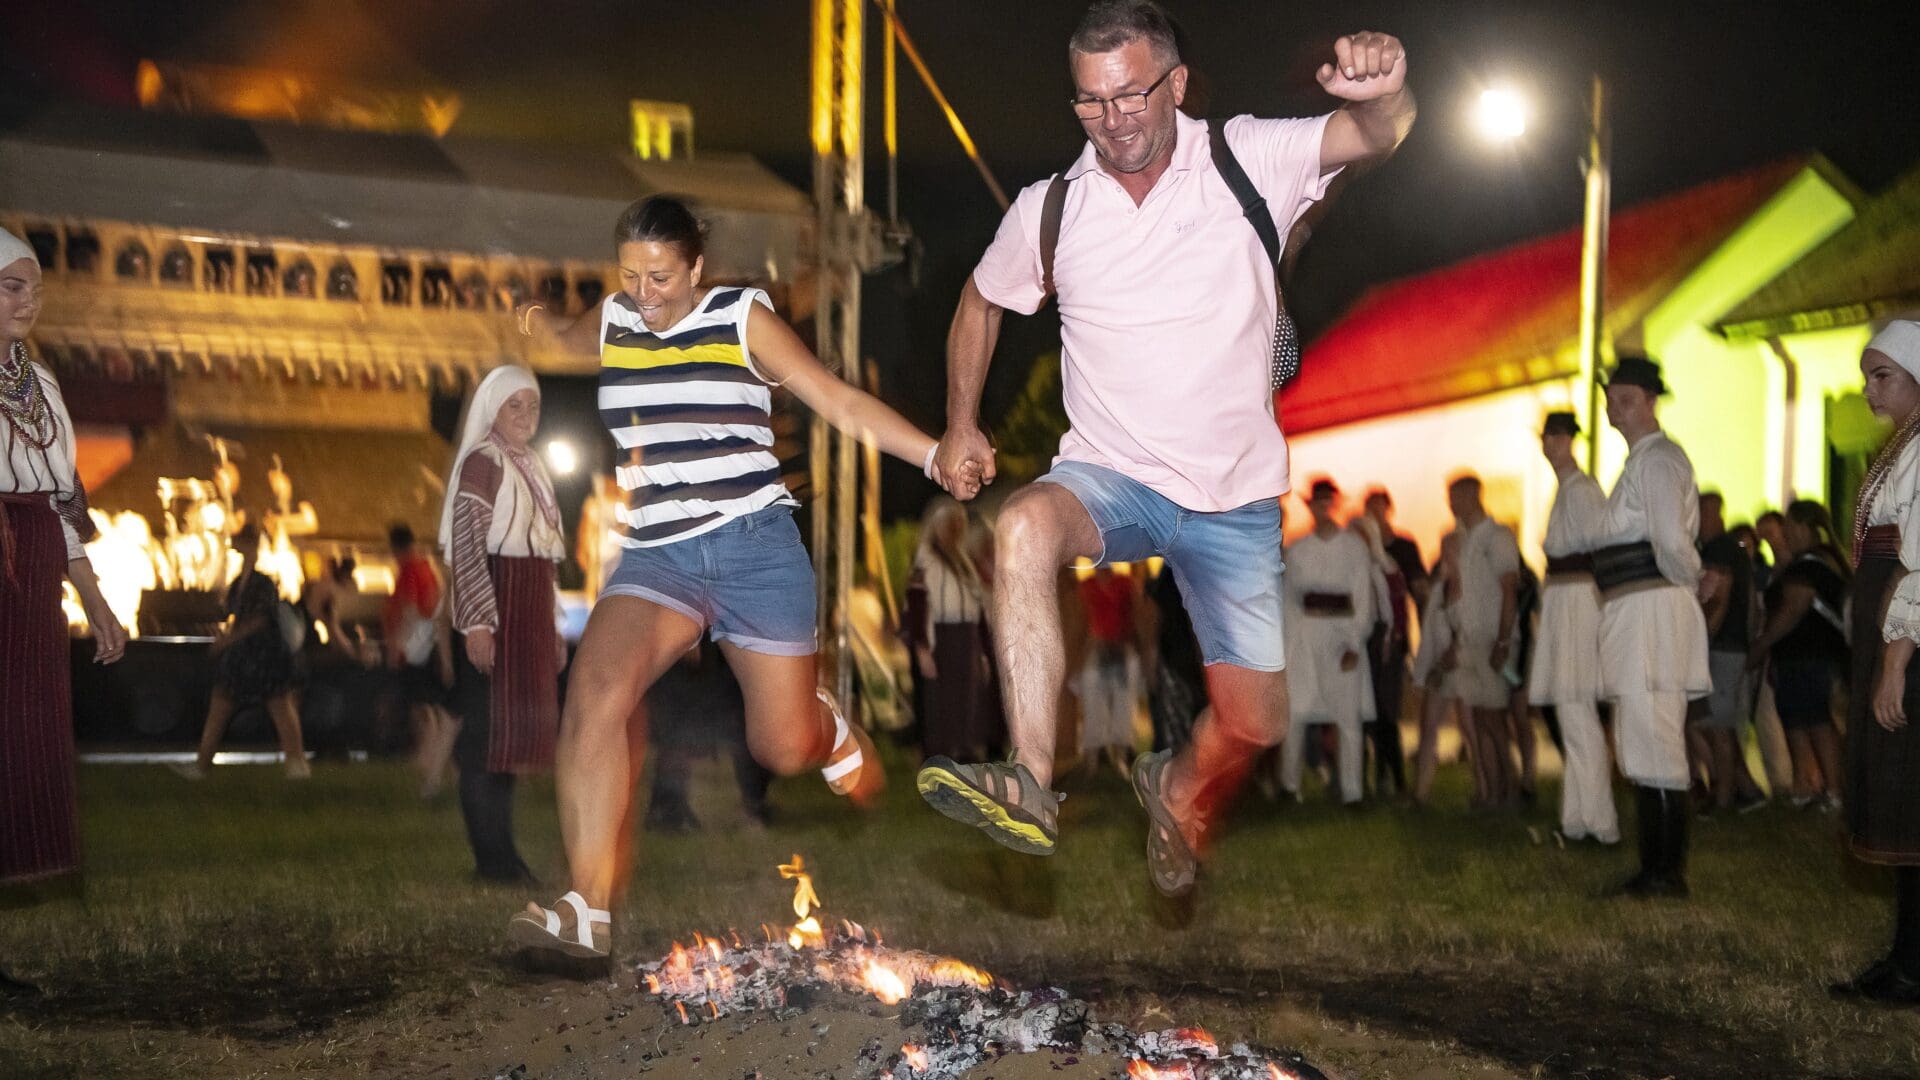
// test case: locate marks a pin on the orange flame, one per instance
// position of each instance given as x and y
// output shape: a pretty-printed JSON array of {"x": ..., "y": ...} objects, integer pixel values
[
  {"x": 1138, "y": 1069},
  {"x": 683, "y": 1012},
  {"x": 949, "y": 971},
  {"x": 806, "y": 933},
  {"x": 653, "y": 984},
  {"x": 883, "y": 982},
  {"x": 713, "y": 1010},
  {"x": 916, "y": 1057},
  {"x": 1275, "y": 1072},
  {"x": 804, "y": 898}
]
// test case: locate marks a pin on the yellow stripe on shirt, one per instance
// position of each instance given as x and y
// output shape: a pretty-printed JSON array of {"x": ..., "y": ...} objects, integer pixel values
[{"x": 626, "y": 356}]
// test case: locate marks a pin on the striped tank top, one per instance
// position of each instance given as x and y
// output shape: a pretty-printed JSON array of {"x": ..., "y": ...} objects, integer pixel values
[{"x": 693, "y": 416}]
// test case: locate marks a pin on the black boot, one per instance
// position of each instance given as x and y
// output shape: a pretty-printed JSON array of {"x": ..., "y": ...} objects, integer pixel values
[
  {"x": 1894, "y": 979},
  {"x": 1662, "y": 820},
  {"x": 1676, "y": 815}
]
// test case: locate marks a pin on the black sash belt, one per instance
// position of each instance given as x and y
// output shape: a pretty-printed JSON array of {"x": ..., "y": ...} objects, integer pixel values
[
  {"x": 1577, "y": 563},
  {"x": 1327, "y": 603},
  {"x": 1624, "y": 564}
]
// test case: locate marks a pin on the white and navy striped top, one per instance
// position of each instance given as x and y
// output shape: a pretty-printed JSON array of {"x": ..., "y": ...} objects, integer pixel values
[{"x": 693, "y": 415}]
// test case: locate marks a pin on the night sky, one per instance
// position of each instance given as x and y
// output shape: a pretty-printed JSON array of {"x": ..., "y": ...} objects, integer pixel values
[{"x": 1700, "y": 90}]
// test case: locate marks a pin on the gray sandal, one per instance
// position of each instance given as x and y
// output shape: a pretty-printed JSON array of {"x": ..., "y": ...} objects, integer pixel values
[
  {"x": 1170, "y": 861},
  {"x": 984, "y": 796}
]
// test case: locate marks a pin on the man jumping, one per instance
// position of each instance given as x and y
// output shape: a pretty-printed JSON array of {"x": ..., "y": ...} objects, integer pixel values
[{"x": 1168, "y": 307}]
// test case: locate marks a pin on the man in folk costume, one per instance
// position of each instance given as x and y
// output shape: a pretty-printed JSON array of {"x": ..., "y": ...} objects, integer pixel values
[
  {"x": 1566, "y": 660},
  {"x": 1653, "y": 637},
  {"x": 1331, "y": 604},
  {"x": 1484, "y": 622}
]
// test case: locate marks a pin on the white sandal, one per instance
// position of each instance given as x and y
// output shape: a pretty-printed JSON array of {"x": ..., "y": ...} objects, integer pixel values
[
  {"x": 539, "y": 928},
  {"x": 847, "y": 769}
]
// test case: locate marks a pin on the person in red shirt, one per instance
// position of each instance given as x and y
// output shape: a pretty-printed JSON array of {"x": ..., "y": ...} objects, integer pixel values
[
  {"x": 1109, "y": 678},
  {"x": 417, "y": 647}
]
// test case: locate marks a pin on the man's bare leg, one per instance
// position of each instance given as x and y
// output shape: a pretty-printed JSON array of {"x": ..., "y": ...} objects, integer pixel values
[
  {"x": 1042, "y": 528},
  {"x": 1247, "y": 714}
]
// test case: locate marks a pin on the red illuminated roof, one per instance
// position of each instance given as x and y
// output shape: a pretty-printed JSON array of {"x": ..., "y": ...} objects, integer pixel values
[{"x": 1496, "y": 321}]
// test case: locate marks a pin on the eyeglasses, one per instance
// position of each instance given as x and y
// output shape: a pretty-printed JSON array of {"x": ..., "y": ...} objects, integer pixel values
[{"x": 1093, "y": 108}]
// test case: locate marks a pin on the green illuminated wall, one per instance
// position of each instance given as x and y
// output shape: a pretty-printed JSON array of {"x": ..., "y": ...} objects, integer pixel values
[{"x": 1730, "y": 405}]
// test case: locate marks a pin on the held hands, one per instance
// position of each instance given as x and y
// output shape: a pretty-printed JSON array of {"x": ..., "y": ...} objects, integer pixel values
[
  {"x": 1365, "y": 66},
  {"x": 963, "y": 462}
]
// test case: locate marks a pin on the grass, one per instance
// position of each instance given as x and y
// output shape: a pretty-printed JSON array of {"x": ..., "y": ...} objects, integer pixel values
[{"x": 246, "y": 912}]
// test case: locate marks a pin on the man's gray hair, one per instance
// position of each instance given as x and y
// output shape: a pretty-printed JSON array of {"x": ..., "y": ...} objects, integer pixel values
[{"x": 1111, "y": 24}]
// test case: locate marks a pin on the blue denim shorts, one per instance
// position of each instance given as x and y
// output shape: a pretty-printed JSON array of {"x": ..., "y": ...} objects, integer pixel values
[
  {"x": 1227, "y": 564},
  {"x": 748, "y": 581}
]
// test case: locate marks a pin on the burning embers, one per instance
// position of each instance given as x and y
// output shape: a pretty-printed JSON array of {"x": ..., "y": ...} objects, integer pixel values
[{"x": 957, "y": 1015}]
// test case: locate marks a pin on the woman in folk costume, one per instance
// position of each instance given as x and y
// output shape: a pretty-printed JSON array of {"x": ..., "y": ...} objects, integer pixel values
[
  {"x": 43, "y": 523},
  {"x": 500, "y": 532},
  {"x": 1883, "y": 745},
  {"x": 709, "y": 546},
  {"x": 947, "y": 613},
  {"x": 1435, "y": 664}
]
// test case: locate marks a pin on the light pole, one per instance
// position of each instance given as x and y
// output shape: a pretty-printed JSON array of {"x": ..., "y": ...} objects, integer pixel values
[{"x": 1502, "y": 115}]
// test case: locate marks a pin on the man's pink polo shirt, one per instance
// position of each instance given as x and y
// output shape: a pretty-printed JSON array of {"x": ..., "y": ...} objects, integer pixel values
[{"x": 1167, "y": 310}]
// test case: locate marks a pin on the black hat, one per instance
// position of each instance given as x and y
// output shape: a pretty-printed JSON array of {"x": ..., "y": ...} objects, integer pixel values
[
  {"x": 1638, "y": 371},
  {"x": 1561, "y": 423},
  {"x": 1323, "y": 489}
]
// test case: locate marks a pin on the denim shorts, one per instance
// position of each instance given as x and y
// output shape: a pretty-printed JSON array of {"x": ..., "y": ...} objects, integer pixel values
[
  {"x": 1227, "y": 564},
  {"x": 748, "y": 581}
]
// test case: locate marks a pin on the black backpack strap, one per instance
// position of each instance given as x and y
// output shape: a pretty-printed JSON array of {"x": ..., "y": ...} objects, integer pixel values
[
  {"x": 1050, "y": 211},
  {"x": 1252, "y": 204}
]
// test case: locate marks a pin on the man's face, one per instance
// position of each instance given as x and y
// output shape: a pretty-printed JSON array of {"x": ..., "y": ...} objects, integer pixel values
[
  {"x": 1129, "y": 143},
  {"x": 1380, "y": 510},
  {"x": 1712, "y": 520},
  {"x": 1556, "y": 447},
  {"x": 1463, "y": 500},
  {"x": 1322, "y": 506},
  {"x": 1629, "y": 406}
]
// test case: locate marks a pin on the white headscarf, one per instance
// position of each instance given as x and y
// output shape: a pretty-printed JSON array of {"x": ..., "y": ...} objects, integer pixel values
[
  {"x": 488, "y": 398},
  {"x": 13, "y": 249},
  {"x": 1900, "y": 341}
]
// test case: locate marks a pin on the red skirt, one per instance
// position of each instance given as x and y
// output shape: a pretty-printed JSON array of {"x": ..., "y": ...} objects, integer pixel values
[
  {"x": 511, "y": 718},
  {"x": 39, "y": 826}
]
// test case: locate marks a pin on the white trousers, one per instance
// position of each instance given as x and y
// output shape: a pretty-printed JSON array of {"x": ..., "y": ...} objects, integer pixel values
[
  {"x": 1586, "y": 792},
  {"x": 1650, "y": 730},
  {"x": 1352, "y": 754}
]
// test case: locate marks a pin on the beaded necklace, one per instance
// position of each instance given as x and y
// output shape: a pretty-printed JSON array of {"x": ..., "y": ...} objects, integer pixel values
[
  {"x": 1877, "y": 476},
  {"x": 24, "y": 400}
]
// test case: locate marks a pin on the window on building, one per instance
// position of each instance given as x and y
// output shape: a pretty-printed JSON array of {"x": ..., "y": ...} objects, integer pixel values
[
  {"x": 299, "y": 280},
  {"x": 589, "y": 290},
  {"x": 396, "y": 283},
  {"x": 436, "y": 285},
  {"x": 342, "y": 282},
  {"x": 46, "y": 244},
  {"x": 263, "y": 272},
  {"x": 513, "y": 292},
  {"x": 133, "y": 263},
  {"x": 472, "y": 295},
  {"x": 216, "y": 274},
  {"x": 176, "y": 266},
  {"x": 83, "y": 251},
  {"x": 553, "y": 291}
]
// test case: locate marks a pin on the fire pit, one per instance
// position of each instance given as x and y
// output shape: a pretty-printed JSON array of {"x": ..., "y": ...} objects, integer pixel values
[{"x": 953, "y": 1016}]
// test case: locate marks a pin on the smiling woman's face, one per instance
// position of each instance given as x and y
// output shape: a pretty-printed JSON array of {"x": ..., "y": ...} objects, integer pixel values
[{"x": 19, "y": 298}]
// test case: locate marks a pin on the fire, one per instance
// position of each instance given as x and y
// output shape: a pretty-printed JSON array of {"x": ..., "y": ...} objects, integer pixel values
[
  {"x": 948, "y": 972},
  {"x": 916, "y": 1057},
  {"x": 683, "y": 1012},
  {"x": 1275, "y": 1072},
  {"x": 807, "y": 932},
  {"x": 1140, "y": 1070},
  {"x": 883, "y": 982}
]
